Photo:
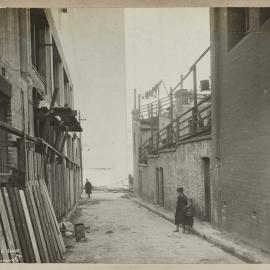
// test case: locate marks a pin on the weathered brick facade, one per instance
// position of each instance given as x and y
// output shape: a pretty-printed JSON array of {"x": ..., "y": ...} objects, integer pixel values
[
  {"x": 241, "y": 129},
  {"x": 32, "y": 64}
]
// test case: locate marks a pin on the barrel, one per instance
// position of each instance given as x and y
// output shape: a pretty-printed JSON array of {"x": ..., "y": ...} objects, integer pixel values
[{"x": 79, "y": 231}]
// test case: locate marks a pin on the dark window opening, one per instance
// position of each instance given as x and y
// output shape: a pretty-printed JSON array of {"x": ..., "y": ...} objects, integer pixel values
[
  {"x": 39, "y": 27},
  {"x": 3, "y": 71},
  {"x": 238, "y": 25},
  {"x": 56, "y": 70},
  {"x": 264, "y": 15},
  {"x": 66, "y": 91}
]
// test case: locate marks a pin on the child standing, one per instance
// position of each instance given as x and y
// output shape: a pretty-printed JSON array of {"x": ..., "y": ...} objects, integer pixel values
[{"x": 189, "y": 213}]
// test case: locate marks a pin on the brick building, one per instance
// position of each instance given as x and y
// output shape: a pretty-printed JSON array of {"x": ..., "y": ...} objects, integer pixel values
[
  {"x": 36, "y": 97},
  {"x": 240, "y": 106}
]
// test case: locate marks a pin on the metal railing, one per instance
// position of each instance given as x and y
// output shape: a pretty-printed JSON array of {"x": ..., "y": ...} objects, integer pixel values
[{"x": 193, "y": 122}]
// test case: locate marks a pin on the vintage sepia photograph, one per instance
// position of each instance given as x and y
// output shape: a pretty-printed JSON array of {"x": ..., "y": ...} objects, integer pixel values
[{"x": 134, "y": 134}]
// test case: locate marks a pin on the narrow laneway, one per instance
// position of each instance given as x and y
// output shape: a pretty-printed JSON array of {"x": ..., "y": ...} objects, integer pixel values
[{"x": 123, "y": 232}]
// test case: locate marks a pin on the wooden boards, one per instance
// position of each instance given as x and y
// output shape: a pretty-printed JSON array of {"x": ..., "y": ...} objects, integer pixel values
[
  {"x": 29, "y": 226},
  {"x": 29, "y": 217}
]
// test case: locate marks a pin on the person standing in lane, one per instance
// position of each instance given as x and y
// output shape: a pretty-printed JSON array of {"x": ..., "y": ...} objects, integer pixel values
[
  {"x": 179, "y": 213},
  {"x": 88, "y": 188}
]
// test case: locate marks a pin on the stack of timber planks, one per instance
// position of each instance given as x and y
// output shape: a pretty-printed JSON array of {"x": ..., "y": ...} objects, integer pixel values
[{"x": 29, "y": 229}]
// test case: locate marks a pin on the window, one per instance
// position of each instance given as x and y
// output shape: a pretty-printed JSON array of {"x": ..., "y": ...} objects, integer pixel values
[
  {"x": 56, "y": 70},
  {"x": 264, "y": 15},
  {"x": 238, "y": 25},
  {"x": 39, "y": 27},
  {"x": 67, "y": 102}
]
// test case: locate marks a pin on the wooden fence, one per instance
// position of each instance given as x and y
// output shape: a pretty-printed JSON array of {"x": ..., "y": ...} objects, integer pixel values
[{"x": 44, "y": 187}]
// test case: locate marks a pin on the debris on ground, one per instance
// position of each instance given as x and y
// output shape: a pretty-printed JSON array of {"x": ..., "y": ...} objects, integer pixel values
[
  {"x": 66, "y": 226},
  {"x": 125, "y": 196},
  {"x": 87, "y": 228}
]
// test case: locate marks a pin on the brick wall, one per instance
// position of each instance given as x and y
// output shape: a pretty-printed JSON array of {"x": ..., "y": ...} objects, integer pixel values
[{"x": 241, "y": 129}]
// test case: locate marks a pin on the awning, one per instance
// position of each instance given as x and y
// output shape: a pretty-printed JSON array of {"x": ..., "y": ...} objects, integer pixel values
[{"x": 62, "y": 116}]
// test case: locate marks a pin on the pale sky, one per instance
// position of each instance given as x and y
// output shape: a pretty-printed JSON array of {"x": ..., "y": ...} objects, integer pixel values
[
  {"x": 162, "y": 43},
  {"x": 112, "y": 51}
]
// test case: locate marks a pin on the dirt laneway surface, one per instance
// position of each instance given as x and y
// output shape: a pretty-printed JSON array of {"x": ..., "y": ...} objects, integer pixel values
[{"x": 123, "y": 232}]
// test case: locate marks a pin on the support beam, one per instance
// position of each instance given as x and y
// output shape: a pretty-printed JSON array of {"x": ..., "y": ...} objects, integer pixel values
[{"x": 194, "y": 70}]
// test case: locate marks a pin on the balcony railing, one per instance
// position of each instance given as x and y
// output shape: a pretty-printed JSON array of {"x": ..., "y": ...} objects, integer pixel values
[
  {"x": 193, "y": 122},
  {"x": 168, "y": 103}
]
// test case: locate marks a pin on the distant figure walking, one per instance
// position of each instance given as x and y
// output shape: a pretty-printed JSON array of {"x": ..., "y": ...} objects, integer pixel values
[
  {"x": 179, "y": 213},
  {"x": 189, "y": 211},
  {"x": 88, "y": 188}
]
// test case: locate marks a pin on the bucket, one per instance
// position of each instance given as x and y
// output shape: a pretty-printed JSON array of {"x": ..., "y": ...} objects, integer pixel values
[{"x": 79, "y": 231}]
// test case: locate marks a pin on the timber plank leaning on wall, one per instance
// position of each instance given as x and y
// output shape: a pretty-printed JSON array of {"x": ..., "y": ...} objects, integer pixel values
[
  {"x": 45, "y": 226},
  {"x": 30, "y": 226},
  {"x": 24, "y": 226},
  {"x": 37, "y": 226},
  {"x": 55, "y": 238},
  {"x": 19, "y": 226},
  {"x": 6, "y": 228},
  {"x": 11, "y": 219}
]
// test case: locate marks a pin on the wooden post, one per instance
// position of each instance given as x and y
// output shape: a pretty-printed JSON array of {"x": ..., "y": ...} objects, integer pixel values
[
  {"x": 139, "y": 103},
  {"x": 171, "y": 104},
  {"x": 21, "y": 159},
  {"x": 23, "y": 153},
  {"x": 195, "y": 84},
  {"x": 177, "y": 130},
  {"x": 193, "y": 121},
  {"x": 48, "y": 119},
  {"x": 182, "y": 82},
  {"x": 152, "y": 123}
]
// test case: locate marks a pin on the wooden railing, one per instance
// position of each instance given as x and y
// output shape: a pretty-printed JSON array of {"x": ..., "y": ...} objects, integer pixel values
[
  {"x": 194, "y": 122},
  {"x": 156, "y": 108}
]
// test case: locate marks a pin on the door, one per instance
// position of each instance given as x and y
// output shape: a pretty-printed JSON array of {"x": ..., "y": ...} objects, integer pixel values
[
  {"x": 157, "y": 185},
  {"x": 207, "y": 188},
  {"x": 161, "y": 188}
]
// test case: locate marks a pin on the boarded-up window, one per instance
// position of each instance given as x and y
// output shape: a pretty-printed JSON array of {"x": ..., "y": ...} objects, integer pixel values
[{"x": 238, "y": 25}]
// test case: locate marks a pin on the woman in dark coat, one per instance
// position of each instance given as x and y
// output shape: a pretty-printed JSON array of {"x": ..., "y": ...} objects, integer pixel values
[
  {"x": 88, "y": 188},
  {"x": 179, "y": 213}
]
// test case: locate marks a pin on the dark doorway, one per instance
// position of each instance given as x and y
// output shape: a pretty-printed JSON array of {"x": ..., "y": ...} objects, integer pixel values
[
  {"x": 161, "y": 187},
  {"x": 140, "y": 184},
  {"x": 157, "y": 185},
  {"x": 207, "y": 187}
]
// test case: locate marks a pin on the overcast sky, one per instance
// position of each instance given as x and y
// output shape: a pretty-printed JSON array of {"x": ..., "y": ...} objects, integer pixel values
[
  {"x": 112, "y": 51},
  {"x": 162, "y": 43}
]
